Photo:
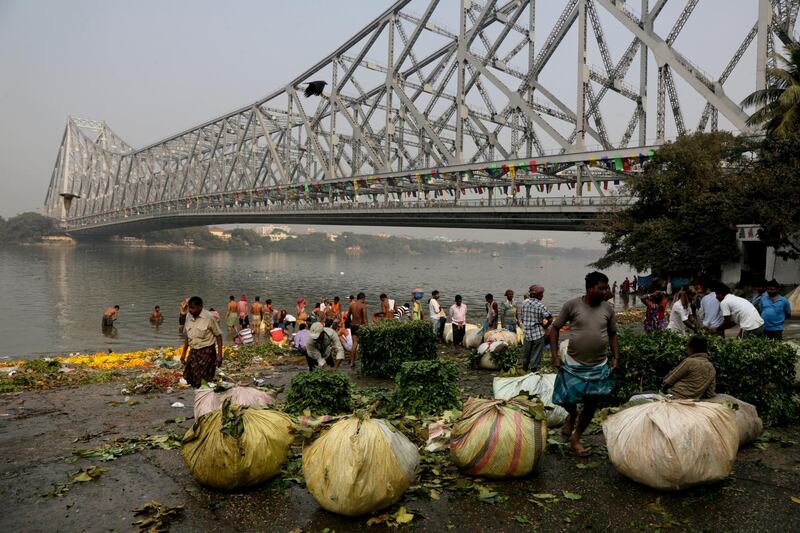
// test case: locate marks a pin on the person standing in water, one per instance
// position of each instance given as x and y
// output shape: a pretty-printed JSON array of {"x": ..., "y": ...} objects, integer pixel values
[
  {"x": 110, "y": 315},
  {"x": 231, "y": 314}
]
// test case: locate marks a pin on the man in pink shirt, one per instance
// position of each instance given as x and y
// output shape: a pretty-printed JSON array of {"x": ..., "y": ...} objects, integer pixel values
[
  {"x": 458, "y": 316},
  {"x": 243, "y": 310}
]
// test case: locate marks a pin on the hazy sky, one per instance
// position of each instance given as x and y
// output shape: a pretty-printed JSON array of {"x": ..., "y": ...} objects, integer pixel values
[{"x": 152, "y": 68}]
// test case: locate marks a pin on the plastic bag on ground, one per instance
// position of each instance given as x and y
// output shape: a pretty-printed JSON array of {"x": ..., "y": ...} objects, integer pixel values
[
  {"x": 448, "y": 331},
  {"x": 206, "y": 400},
  {"x": 748, "y": 422},
  {"x": 498, "y": 438},
  {"x": 501, "y": 335},
  {"x": 534, "y": 384},
  {"x": 237, "y": 446},
  {"x": 673, "y": 444},
  {"x": 359, "y": 466}
]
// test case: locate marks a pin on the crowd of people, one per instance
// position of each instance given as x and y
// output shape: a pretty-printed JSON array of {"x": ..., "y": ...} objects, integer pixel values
[
  {"x": 327, "y": 333},
  {"x": 711, "y": 307}
]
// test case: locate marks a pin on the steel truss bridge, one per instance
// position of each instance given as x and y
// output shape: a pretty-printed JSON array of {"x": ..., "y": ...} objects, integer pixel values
[{"x": 424, "y": 125}]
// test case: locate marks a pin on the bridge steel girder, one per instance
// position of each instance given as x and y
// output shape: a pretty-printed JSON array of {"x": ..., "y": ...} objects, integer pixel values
[{"x": 384, "y": 124}]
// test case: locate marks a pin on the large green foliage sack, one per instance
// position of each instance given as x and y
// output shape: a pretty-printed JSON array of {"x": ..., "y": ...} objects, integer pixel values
[
  {"x": 387, "y": 344},
  {"x": 359, "y": 466},
  {"x": 672, "y": 445},
  {"x": 237, "y": 446},
  {"x": 755, "y": 370},
  {"x": 498, "y": 438},
  {"x": 427, "y": 387}
]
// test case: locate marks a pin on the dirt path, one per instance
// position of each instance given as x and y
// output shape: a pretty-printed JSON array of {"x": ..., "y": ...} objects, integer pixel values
[{"x": 38, "y": 430}]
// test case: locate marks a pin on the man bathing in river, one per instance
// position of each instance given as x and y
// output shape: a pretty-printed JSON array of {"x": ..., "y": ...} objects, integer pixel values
[
  {"x": 358, "y": 317},
  {"x": 232, "y": 314},
  {"x": 110, "y": 316},
  {"x": 202, "y": 333},
  {"x": 585, "y": 376},
  {"x": 256, "y": 311},
  {"x": 155, "y": 316}
]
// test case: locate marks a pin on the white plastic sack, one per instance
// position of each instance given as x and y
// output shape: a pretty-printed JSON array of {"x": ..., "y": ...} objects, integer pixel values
[
  {"x": 487, "y": 361},
  {"x": 539, "y": 385},
  {"x": 206, "y": 400},
  {"x": 748, "y": 422},
  {"x": 673, "y": 444},
  {"x": 473, "y": 338},
  {"x": 448, "y": 331}
]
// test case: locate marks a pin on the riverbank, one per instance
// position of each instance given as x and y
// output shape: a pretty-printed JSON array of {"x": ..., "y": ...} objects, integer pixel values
[{"x": 136, "y": 405}]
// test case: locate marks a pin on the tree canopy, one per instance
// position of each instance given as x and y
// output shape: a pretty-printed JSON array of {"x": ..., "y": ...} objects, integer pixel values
[
  {"x": 26, "y": 227},
  {"x": 778, "y": 103},
  {"x": 689, "y": 199}
]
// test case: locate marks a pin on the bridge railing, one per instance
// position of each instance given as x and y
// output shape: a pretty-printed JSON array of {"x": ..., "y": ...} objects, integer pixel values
[{"x": 186, "y": 208}]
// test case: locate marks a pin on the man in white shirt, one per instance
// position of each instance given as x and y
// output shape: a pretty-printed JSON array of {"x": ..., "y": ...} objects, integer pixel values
[
  {"x": 436, "y": 315},
  {"x": 738, "y": 311},
  {"x": 458, "y": 316}
]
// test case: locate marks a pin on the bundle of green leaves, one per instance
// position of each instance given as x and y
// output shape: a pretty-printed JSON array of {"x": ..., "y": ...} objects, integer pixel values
[
  {"x": 427, "y": 387},
  {"x": 387, "y": 344},
  {"x": 245, "y": 354},
  {"x": 757, "y": 371},
  {"x": 321, "y": 393}
]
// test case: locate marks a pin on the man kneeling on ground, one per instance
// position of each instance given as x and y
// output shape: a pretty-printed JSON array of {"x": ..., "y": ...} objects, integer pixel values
[
  {"x": 695, "y": 377},
  {"x": 323, "y": 346}
]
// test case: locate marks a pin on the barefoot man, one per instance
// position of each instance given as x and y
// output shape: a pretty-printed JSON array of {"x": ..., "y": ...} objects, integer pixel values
[
  {"x": 202, "y": 333},
  {"x": 232, "y": 314},
  {"x": 358, "y": 318},
  {"x": 585, "y": 376},
  {"x": 110, "y": 316},
  {"x": 255, "y": 321}
]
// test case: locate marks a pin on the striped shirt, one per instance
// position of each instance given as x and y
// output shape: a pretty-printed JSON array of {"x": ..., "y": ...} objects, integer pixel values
[{"x": 534, "y": 314}]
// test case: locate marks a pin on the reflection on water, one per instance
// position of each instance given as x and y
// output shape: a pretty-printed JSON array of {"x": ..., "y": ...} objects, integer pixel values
[{"x": 54, "y": 297}]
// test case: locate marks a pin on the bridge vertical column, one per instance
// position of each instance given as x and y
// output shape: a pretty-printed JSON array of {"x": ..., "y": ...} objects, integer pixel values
[
  {"x": 762, "y": 54},
  {"x": 461, "y": 57},
  {"x": 583, "y": 77},
  {"x": 389, "y": 81},
  {"x": 648, "y": 26}
]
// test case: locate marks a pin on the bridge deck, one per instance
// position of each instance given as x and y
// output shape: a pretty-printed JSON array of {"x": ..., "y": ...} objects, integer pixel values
[{"x": 563, "y": 214}]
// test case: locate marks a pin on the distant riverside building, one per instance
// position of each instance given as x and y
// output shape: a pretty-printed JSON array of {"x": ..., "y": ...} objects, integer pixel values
[
  {"x": 266, "y": 230},
  {"x": 219, "y": 233},
  {"x": 758, "y": 261}
]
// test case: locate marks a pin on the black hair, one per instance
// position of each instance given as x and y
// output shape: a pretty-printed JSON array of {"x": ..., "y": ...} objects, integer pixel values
[
  {"x": 116, "y": 307},
  {"x": 361, "y": 296},
  {"x": 698, "y": 344},
  {"x": 773, "y": 283},
  {"x": 383, "y": 295},
  {"x": 258, "y": 298},
  {"x": 434, "y": 293},
  {"x": 458, "y": 297},
  {"x": 721, "y": 288},
  {"x": 269, "y": 300},
  {"x": 196, "y": 300},
  {"x": 593, "y": 278},
  {"x": 302, "y": 326},
  {"x": 335, "y": 298},
  {"x": 158, "y": 307},
  {"x": 232, "y": 297},
  {"x": 489, "y": 296}
]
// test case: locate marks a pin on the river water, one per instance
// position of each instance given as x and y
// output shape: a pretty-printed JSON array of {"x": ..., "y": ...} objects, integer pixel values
[{"x": 53, "y": 297}]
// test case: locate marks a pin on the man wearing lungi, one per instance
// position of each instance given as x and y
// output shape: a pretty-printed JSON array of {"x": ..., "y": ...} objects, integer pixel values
[
  {"x": 585, "y": 376},
  {"x": 202, "y": 333}
]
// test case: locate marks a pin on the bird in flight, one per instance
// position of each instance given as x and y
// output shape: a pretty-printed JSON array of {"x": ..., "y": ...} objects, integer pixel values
[{"x": 315, "y": 88}]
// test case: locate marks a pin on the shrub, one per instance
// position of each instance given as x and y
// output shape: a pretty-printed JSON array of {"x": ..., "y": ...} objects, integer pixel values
[
  {"x": 427, "y": 387},
  {"x": 322, "y": 393},
  {"x": 387, "y": 344},
  {"x": 758, "y": 371}
]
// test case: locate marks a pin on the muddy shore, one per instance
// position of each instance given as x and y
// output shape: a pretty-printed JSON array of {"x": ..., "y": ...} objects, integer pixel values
[{"x": 41, "y": 431}]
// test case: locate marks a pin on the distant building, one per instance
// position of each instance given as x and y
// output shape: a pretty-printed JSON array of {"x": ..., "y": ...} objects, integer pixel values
[
  {"x": 219, "y": 233},
  {"x": 57, "y": 239},
  {"x": 279, "y": 236},
  {"x": 547, "y": 243},
  {"x": 271, "y": 228}
]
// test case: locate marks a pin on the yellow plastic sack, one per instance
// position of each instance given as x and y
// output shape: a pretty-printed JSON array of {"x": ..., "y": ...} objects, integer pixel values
[
  {"x": 498, "y": 438},
  {"x": 358, "y": 467},
  {"x": 673, "y": 444},
  {"x": 237, "y": 446}
]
